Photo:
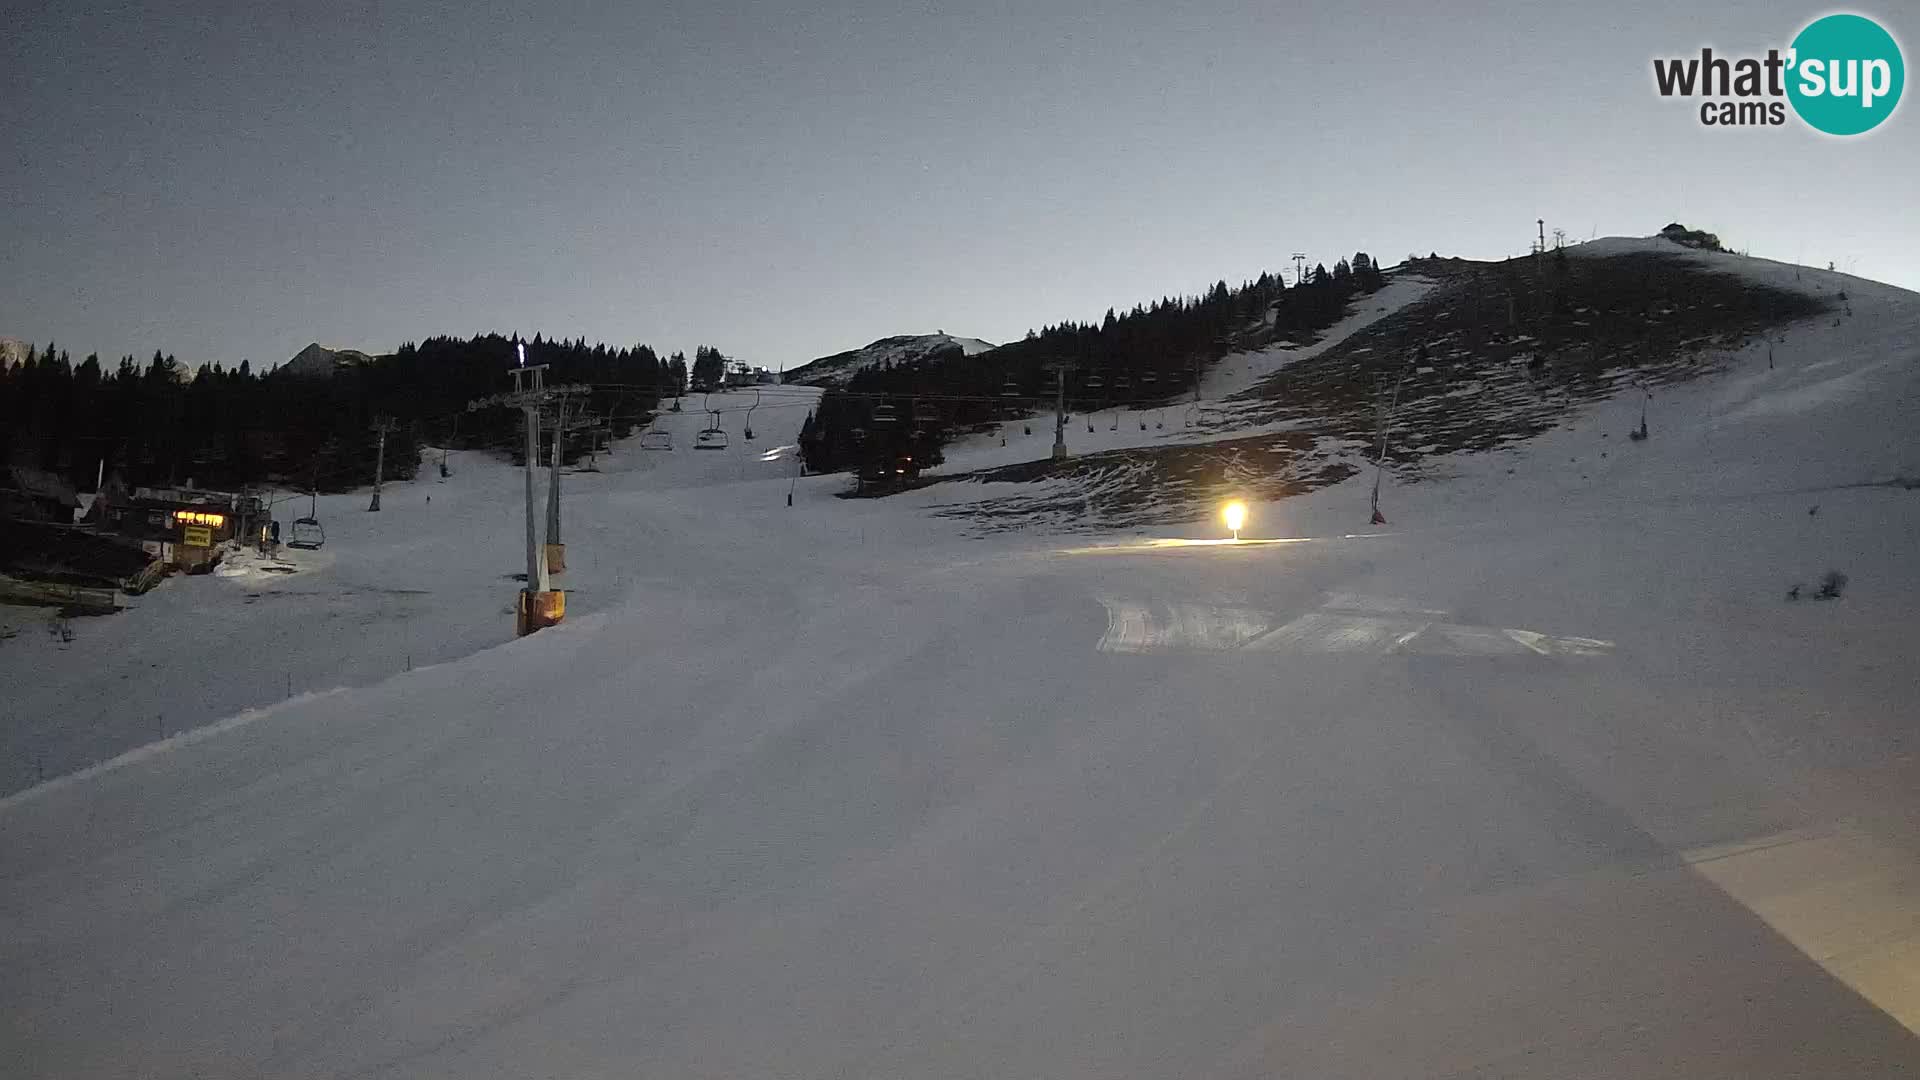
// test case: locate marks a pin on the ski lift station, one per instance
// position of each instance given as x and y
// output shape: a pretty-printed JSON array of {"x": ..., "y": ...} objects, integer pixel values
[{"x": 183, "y": 527}]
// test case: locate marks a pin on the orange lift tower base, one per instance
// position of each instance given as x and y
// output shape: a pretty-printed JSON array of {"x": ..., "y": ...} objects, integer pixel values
[
  {"x": 537, "y": 610},
  {"x": 539, "y": 604}
]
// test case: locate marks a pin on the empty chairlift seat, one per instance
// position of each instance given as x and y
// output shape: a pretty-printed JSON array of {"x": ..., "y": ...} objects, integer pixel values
[{"x": 307, "y": 534}]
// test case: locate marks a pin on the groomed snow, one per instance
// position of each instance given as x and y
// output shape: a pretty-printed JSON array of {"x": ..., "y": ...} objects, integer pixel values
[{"x": 1547, "y": 777}]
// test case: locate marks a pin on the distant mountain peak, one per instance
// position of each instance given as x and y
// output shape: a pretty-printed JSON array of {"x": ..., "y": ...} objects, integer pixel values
[
  {"x": 320, "y": 361},
  {"x": 835, "y": 370}
]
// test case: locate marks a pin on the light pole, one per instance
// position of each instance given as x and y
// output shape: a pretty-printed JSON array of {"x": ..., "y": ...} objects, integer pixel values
[{"x": 1235, "y": 515}]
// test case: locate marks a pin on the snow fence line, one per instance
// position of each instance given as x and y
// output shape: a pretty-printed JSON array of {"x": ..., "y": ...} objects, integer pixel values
[
  {"x": 161, "y": 746},
  {"x": 238, "y": 720}
]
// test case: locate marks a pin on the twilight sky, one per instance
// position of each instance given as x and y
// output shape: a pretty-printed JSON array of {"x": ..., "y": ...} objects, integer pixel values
[{"x": 225, "y": 180}]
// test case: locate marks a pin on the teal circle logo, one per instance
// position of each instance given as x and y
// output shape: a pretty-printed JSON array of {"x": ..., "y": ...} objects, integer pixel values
[{"x": 1846, "y": 74}]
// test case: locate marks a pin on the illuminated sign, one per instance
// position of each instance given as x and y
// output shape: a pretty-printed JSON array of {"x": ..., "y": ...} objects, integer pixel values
[
  {"x": 198, "y": 536},
  {"x": 196, "y": 517}
]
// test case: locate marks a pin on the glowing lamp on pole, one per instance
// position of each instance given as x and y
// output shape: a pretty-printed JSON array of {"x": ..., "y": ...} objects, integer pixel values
[{"x": 1235, "y": 515}]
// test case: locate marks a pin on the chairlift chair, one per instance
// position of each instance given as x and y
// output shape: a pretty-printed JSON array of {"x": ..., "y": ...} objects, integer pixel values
[
  {"x": 1095, "y": 382},
  {"x": 886, "y": 414},
  {"x": 307, "y": 534},
  {"x": 1148, "y": 377},
  {"x": 711, "y": 439},
  {"x": 1010, "y": 388},
  {"x": 656, "y": 440}
]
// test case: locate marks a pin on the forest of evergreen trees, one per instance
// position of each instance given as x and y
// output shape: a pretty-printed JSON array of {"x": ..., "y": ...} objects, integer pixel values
[
  {"x": 1150, "y": 353},
  {"x": 709, "y": 368},
  {"x": 159, "y": 423}
]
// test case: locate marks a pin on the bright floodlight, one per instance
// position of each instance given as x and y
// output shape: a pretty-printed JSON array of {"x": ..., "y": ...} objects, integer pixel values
[
  {"x": 1235, "y": 515},
  {"x": 522, "y": 346}
]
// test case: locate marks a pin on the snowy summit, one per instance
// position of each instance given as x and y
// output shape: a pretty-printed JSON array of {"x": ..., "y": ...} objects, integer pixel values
[
  {"x": 835, "y": 370},
  {"x": 320, "y": 361}
]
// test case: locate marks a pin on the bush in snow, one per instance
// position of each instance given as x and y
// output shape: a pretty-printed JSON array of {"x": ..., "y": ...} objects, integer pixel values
[
  {"x": 1831, "y": 584},
  {"x": 1693, "y": 238}
]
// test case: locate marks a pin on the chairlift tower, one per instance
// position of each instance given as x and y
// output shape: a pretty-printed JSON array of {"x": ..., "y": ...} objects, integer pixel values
[
  {"x": 598, "y": 429},
  {"x": 451, "y": 439},
  {"x": 540, "y": 605},
  {"x": 381, "y": 427},
  {"x": 1060, "y": 409},
  {"x": 1540, "y": 254},
  {"x": 556, "y": 547}
]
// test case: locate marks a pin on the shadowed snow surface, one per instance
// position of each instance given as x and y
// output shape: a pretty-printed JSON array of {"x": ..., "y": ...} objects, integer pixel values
[{"x": 1544, "y": 778}]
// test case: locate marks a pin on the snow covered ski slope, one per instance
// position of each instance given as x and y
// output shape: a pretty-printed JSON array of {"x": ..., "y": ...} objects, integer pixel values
[{"x": 1546, "y": 778}]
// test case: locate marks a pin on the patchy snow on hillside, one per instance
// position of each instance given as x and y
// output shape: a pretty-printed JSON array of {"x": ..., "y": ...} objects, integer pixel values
[
  {"x": 1215, "y": 417},
  {"x": 835, "y": 370},
  {"x": 1237, "y": 373}
]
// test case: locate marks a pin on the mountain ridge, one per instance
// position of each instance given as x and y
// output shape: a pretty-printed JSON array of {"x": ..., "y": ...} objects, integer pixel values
[
  {"x": 835, "y": 370},
  {"x": 320, "y": 361}
]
